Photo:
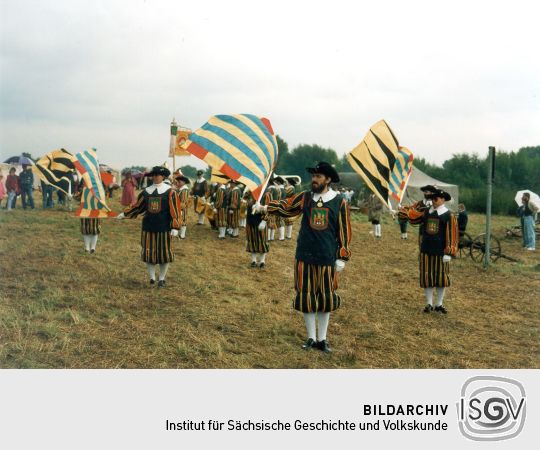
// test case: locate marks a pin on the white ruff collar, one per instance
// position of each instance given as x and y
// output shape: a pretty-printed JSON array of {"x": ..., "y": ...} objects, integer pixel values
[
  {"x": 200, "y": 180},
  {"x": 326, "y": 197},
  {"x": 184, "y": 187},
  {"x": 440, "y": 210},
  {"x": 161, "y": 188}
]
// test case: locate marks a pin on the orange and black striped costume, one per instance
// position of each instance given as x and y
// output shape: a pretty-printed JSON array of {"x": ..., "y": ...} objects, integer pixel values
[
  {"x": 234, "y": 206},
  {"x": 256, "y": 240},
  {"x": 90, "y": 226},
  {"x": 439, "y": 237},
  {"x": 161, "y": 214},
  {"x": 324, "y": 236},
  {"x": 220, "y": 204},
  {"x": 183, "y": 196}
]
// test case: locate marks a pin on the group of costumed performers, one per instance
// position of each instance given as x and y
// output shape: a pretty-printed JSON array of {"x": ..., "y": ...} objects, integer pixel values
[
  {"x": 321, "y": 252},
  {"x": 162, "y": 219},
  {"x": 438, "y": 243}
]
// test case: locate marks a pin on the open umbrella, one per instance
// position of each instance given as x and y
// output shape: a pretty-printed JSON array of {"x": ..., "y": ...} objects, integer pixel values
[
  {"x": 534, "y": 197},
  {"x": 20, "y": 160}
]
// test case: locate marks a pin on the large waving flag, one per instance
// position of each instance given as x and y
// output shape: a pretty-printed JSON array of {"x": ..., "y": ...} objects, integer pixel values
[
  {"x": 93, "y": 202},
  {"x": 54, "y": 168},
  {"x": 242, "y": 147},
  {"x": 383, "y": 164},
  {"x": 217, "y": 177}
]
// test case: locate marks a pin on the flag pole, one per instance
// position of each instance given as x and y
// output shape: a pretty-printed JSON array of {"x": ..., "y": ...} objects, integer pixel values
[{"x": 264, "y": 187}]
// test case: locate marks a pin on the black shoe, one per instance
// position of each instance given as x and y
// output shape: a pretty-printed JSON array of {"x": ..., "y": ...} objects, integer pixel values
[
  {"x": 441, "y": 309},
  {"x": 262, "y": 265},
  {"x": 324, "y": 347},
  {"x": 309, "y": 344},
  {"x": 93, "y": 250},
  {"x": 161, "y": 284},
  {"x": 253, "y": 264},
  {"x": 152, "y": 282},
  {"x": 428, "y": 309}
]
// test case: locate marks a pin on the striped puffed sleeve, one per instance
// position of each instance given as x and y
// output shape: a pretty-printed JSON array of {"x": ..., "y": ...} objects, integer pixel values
[
  {"x": 184, "y": 198},
  {"x": 174, "y": 208},
  {"x": 138, "y": 208},
  {"x": 344, "y": 231},
  {"x": 220, "y": 196},
  {"x": 414, "y": 214},
  {"x": 235, "y": 199},
  {"x": 289, "y": 207},
  {"x": 452, "y": 236}
]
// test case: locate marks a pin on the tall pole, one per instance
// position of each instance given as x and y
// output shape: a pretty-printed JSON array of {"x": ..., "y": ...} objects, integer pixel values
[
  {"x": 487, "y": 241},
  {"x": 172, "y": 144}
]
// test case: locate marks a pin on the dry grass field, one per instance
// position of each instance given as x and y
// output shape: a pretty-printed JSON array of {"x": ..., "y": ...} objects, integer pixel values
[{"x": 63, "y": 308}]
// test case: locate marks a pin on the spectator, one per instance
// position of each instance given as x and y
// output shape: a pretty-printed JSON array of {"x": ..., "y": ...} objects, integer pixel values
[
  {"x": 128, "y": 192},
  {"x": 527, "y": 211},
  {"x": 463, "y": 219},
  {"x": 2, "y": 188},
  {"x": 26, "y": 180},
  {"x": 375, "y": 209},
  {"x": 47, "y": 193},
  {"x": 13, "y": 189}
]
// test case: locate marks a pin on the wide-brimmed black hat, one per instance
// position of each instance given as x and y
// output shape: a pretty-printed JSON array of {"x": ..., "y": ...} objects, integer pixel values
[
  {"x": 439, "y": 193},
  {"x": 428, "y": 187},
  {"x": 325, "y": 169},
  {"x": 278, "y": 179},
  {"x": 159, "y": 170},
  {"x": 292, "y": 181},
  {"x": 183, "y": 178}
]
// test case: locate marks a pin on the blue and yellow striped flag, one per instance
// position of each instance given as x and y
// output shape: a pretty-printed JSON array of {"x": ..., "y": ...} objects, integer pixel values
[
  {"x": 93, "y": 204},
  {"x": 241, "y": 146},
  {"x": 383, "y": 164}
]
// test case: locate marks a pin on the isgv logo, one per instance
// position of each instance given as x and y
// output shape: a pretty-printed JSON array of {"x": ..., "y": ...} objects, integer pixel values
[{"x": 491, "y": 408}]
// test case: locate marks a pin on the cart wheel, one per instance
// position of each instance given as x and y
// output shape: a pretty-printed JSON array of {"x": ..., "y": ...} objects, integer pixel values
[
  {"x": 464, "y": 245},
  {"x": 478, "y": 248}
]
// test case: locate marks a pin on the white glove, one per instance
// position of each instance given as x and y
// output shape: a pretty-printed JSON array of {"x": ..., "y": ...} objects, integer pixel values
[
  {"x": 340, "y": 265},
  {"x": 174, "y": 233},
  {"x": 230, "y": 211},
  {"x": 446, "y": 258},
  {"x": 120, "y": 216},
  {"x": 258, "y": 208},
  {"x": 215, "y": 211},
  {"x": 262, "y": 225}
]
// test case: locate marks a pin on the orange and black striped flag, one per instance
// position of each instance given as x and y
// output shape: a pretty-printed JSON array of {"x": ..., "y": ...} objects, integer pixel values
[
  {"x": 383, "y": 164},
  {"x": 54, "y": 168}
]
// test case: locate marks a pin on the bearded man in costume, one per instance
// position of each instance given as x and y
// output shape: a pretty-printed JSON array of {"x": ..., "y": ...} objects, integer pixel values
[{"x": 321, "y": 252}]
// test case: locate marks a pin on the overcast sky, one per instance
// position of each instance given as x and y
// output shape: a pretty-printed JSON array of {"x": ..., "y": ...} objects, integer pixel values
[{"x": 449, "y": 78}]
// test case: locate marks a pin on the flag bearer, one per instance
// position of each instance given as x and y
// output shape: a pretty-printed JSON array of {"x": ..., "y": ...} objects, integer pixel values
[
  {"x": 161, "y": 208},
  {"x": 321, "y": 251}
]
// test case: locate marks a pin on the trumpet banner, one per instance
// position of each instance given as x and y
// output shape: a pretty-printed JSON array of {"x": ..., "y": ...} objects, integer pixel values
[{"x": 383, "y": 164}]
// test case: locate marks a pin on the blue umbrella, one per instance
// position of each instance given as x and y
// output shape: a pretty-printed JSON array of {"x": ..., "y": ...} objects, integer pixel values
[{"x": 20, "y": 160}]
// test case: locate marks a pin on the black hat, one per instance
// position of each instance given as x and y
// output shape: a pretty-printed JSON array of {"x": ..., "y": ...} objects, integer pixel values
[
  {"x": 200, "y": 172},
  {"x": 428, "y": 187},
  {"x": 278, "y": 179},
  {"x": 325, "y": 169},
  {"x": 159, "y": 170},
  {"x": 292, "y": 181},
  {"x": 183, "y": 178},
  {"x": 439, "y": 193}
]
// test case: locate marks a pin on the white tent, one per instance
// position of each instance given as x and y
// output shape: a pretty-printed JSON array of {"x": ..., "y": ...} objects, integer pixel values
[{"x": 419, "y": 179}]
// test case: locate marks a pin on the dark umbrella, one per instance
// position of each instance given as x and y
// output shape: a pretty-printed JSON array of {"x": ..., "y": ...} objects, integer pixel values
[{"x": 20, "y": 160}]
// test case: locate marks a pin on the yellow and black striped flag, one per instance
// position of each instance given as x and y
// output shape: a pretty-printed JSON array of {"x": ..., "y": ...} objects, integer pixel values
[
  {"x": 383, "y": 164},
  {"x": 54, "y": 169}
]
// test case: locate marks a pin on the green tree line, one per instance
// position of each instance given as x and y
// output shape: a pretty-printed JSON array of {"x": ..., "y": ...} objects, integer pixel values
[{"x": 514, "y": 171}]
